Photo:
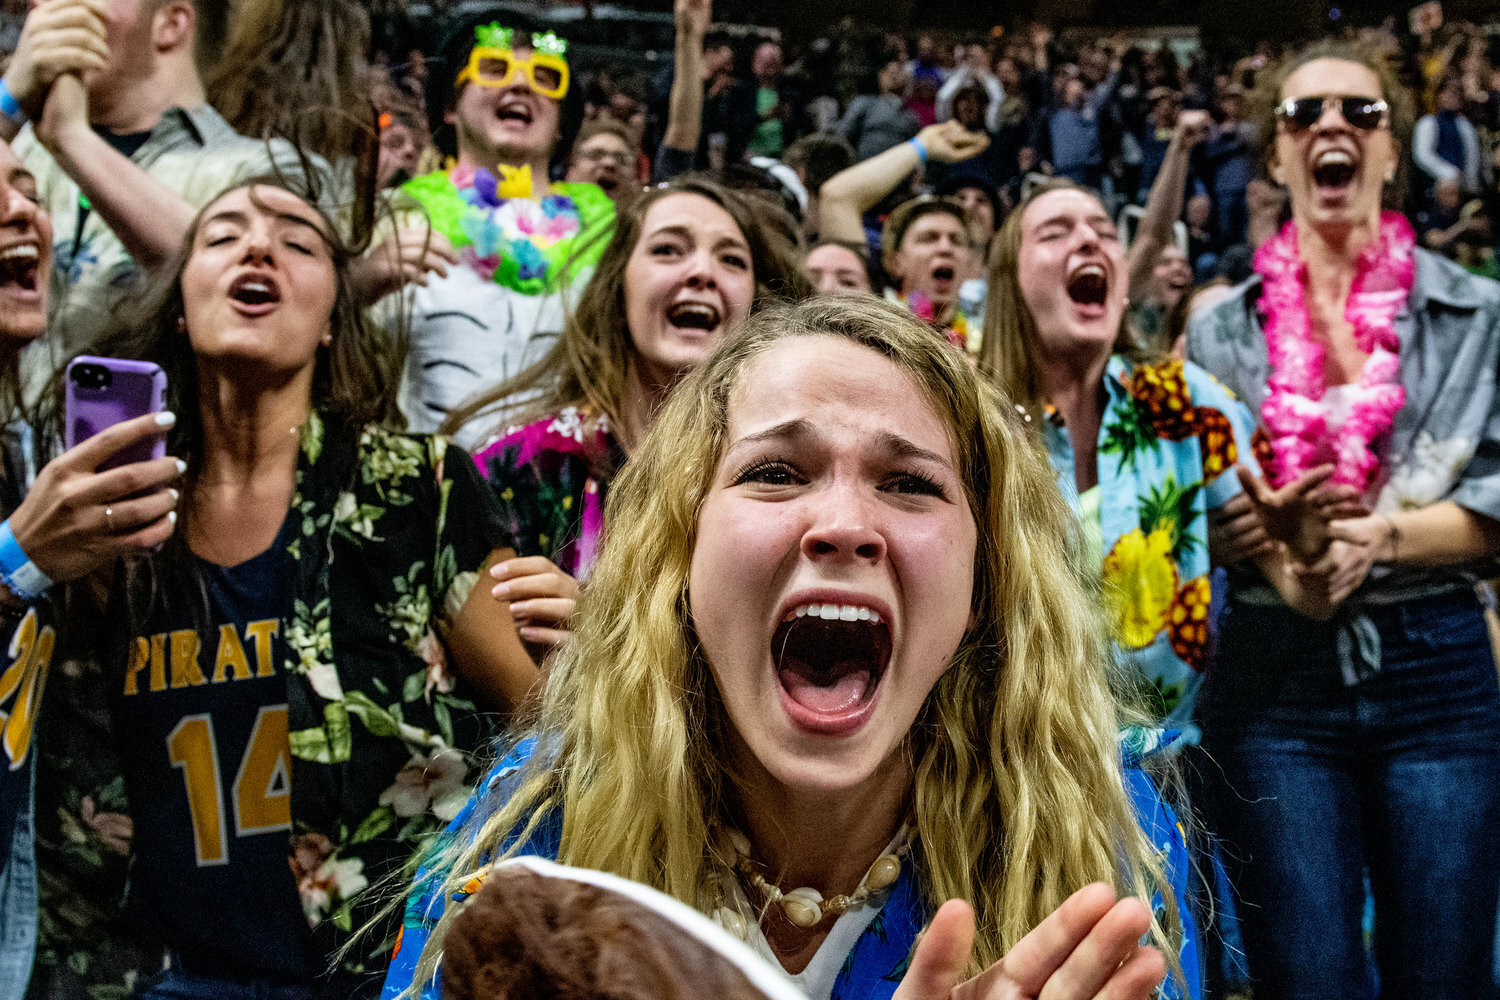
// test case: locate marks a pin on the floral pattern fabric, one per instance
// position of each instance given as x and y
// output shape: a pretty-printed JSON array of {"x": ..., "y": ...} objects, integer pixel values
[
  {"x": 520, "y": 242},
  {"x": 1168, "y": 444},
  {"x": 878, "y": 961},
  {"x": 551, "y": 478},
  {"x": 390, "y": 532}
]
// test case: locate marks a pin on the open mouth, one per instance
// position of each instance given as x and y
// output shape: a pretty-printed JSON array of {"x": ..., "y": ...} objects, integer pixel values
[
  {"x": 1334, "y": 169},
  {"x": 256, "y": 293},
  {"x": 1088, "y": 285},
  {"x": 694, "y": 316},
  {"x": 944, "y": 273},
  {"x": 514, "y": 111},
  {"x": 20, "y": 269},
  {"x": 829, "y": 661}
]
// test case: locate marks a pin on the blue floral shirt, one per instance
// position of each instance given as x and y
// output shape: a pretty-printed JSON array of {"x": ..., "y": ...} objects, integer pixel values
[
  {"x": 877, "y": 963},
  {"x": 1167, "y": 447}
]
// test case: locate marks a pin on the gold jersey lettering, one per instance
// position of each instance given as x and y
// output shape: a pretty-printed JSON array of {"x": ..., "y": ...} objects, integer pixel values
[
  {"x": 231, "y": 654},
  {"x": 159, "y": 661},
  {"x": 185, "y": 668},
  {"x": 140, "y": 655},
  {"x": 261, "y": 633},
  {"x": 30, "y": 657}
]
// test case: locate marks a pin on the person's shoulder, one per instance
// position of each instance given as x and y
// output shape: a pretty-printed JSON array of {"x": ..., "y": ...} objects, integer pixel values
[
  {"x": 570, "y": 431},
  {"x": 399, "y": 453},
  {"x": 1205, "y": 389},
  {"x": 594, "y": 206},
  {"x": 1444, "y": 282}
]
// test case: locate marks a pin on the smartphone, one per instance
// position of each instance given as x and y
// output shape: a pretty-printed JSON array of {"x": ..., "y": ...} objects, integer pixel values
[{"x": 102, "y": 392}]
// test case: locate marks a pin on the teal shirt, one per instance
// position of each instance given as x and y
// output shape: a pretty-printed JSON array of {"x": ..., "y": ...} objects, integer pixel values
[{"x": 1168, "y": 444}]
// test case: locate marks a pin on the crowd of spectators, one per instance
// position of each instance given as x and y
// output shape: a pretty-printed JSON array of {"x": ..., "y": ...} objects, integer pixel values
[{"x": 463, "y": 227}]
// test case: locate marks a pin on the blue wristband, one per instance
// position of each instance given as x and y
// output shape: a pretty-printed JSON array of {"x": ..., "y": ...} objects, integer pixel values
[
  {"x": 915, "y": 142},
  {"x": 9, "y": 106},
  {"x": 17, "y": 571},
  {"x": 12, "y": 556}
]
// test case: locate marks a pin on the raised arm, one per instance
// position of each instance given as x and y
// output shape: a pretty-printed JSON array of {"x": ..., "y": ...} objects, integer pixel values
[
  {"x": 1164, "y": 204},
  {"x": 685, "y": 106},
  {"x": 59, "y": 37},
  {"x": 848, "y": 194},
  {"x": 149, "y": 218}
]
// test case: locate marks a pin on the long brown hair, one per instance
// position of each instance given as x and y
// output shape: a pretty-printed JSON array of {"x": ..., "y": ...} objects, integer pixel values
[
  {"x": 1010, "y": 352},
  {"x": 590, "y": 364},
  {"x": 296, "y": 70}
]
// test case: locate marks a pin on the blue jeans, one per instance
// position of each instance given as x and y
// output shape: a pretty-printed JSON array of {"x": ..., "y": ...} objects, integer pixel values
[
  {"x": 1398, "y": 776},
  {"x": 177, "y": 984}
]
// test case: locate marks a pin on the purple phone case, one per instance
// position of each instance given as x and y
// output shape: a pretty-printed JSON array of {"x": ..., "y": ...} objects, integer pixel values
[{"x": 135, "y": 389}]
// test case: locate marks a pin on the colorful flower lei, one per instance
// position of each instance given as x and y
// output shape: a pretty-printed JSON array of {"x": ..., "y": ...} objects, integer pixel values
[
  {"x": 955, "y": 331},
  {"x": 1294, "y": 411}
]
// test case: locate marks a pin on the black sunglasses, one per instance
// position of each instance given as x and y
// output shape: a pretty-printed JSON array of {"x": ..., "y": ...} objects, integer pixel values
[{"x": 1299, "y": 113}]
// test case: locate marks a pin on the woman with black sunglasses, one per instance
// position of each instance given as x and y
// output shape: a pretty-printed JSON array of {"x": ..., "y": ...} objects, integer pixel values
[{"x": 1366, "y": 743}]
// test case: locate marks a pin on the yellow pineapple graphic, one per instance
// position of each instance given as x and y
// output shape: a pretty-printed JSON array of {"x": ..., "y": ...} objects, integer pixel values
[
  {"x": 1140, "y": 585},
  {"x": 1216, "y": 443},
  {"x": 1162, "y": 393},
  {"x": 1188, "y": 623}
]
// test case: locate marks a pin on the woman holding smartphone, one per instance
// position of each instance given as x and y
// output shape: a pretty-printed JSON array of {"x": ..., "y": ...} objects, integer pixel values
[
  {"x": 58, "y": 530},
  {"x": 293, "y": 682}
]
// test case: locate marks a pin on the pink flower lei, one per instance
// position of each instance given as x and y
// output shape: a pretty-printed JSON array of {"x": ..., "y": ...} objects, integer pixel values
[{"x": 1295, "y": 413}]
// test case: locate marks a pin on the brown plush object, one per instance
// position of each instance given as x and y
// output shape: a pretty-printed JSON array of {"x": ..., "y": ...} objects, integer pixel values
[{"x": 525, "y": 935}]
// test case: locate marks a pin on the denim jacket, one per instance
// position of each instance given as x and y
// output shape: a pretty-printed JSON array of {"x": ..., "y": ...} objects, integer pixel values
[{"x": 1444, "y": 444}]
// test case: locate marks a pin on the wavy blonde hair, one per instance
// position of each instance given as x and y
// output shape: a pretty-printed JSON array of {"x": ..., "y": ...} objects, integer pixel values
[{"x": 1017, "y": 789}]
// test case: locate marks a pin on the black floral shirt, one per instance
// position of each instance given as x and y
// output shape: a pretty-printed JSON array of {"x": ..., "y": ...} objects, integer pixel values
[{"x": 390, "y": 532}]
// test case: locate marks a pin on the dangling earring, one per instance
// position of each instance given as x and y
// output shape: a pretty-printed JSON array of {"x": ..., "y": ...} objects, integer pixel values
[{"x": 182, "y": 324}]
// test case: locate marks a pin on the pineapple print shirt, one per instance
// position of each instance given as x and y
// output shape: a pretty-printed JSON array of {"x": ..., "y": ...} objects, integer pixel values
[{"x": 1167, "y": 447}]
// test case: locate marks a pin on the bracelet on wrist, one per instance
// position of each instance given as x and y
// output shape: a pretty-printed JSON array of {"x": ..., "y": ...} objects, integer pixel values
[
  {"x": 915, "y": 142},
  {"x": 9, "y": 106},
  {"x": 1395, "y": 536},
  {"x": 19, "y": 574}
]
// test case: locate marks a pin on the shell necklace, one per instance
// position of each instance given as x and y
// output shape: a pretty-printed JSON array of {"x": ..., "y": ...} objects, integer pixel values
[{"x": 805, "y": 906}]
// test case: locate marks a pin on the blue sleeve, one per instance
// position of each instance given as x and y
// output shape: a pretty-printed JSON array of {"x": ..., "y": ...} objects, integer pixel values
[
  {"x": 1209, "y": 392},
  {"x": 426, "y": 902},
  {"x": 1161, "y": 825}
]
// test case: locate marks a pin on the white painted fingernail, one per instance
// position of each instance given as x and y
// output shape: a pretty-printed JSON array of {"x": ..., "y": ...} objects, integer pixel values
[
  {"x": 181, "y": 467},
  {"x": 166, "y": 418},
  {"x": 171, "y": 517},
  {"x": 175, "y": 495}
]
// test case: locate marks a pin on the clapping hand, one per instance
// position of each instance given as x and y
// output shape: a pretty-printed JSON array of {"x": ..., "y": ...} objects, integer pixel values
[
  {"x": 59, "y": 37},
  {"x": 405, "y": 257},
  {"x": 1087, "y": 949},
  {"x": 1298, "y": 514}
]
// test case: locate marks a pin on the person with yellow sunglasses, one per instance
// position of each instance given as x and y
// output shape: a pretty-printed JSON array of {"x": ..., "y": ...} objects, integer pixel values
[{"x": 498, "y": 96}]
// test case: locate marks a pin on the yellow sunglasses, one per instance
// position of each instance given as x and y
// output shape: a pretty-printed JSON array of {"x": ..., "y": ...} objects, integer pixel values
[{"x": 494, "y": 67}]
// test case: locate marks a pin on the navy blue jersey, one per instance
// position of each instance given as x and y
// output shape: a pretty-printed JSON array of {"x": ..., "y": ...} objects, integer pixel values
[{"x": 202, "y": 722}]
